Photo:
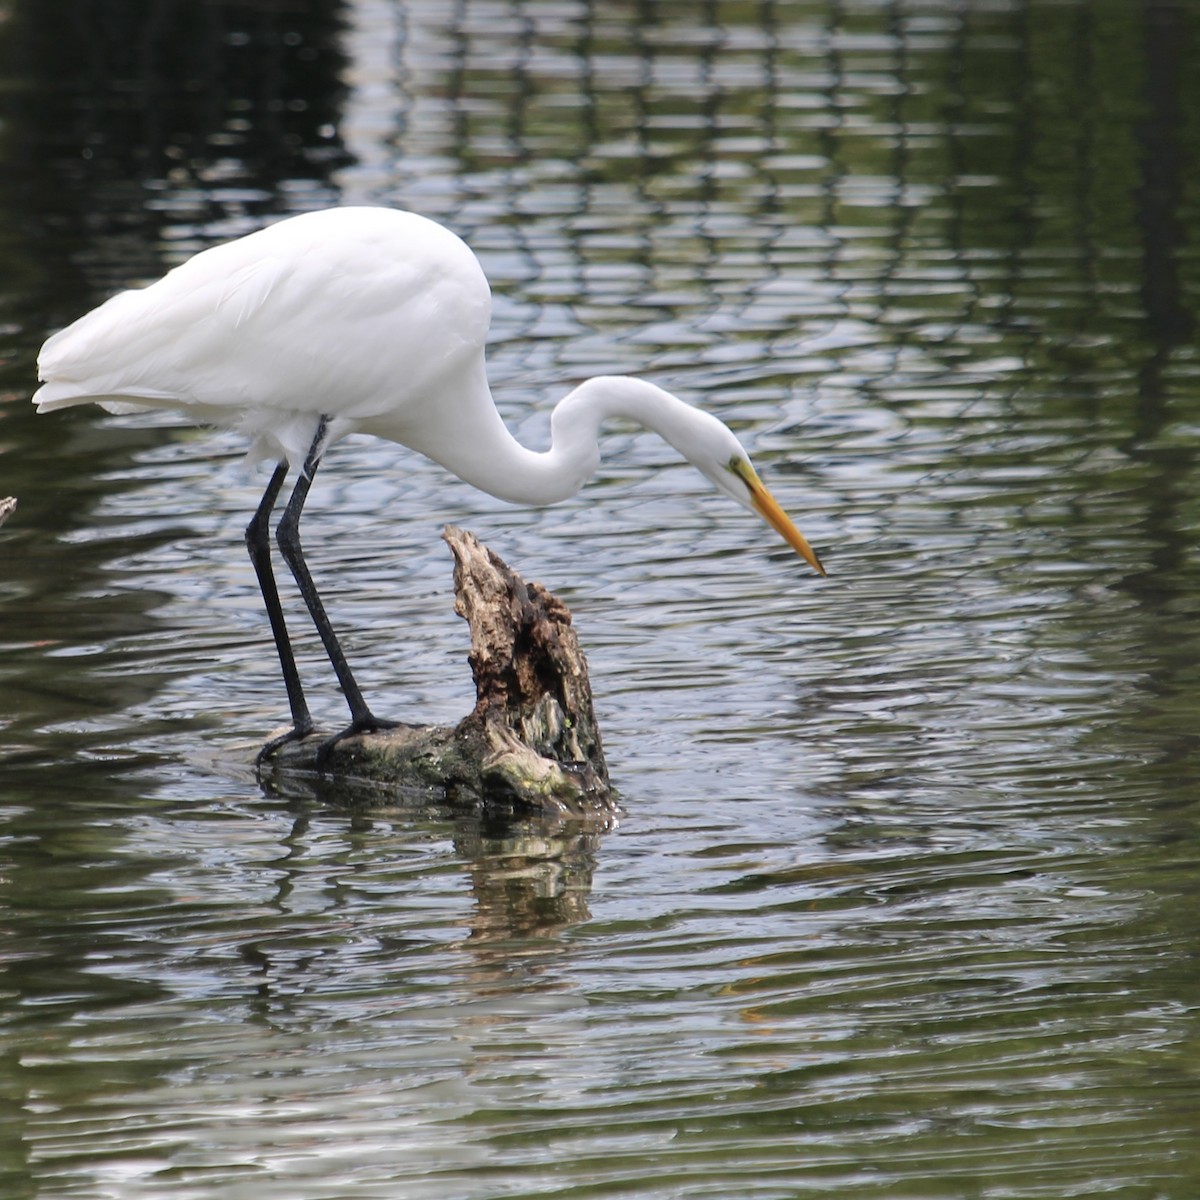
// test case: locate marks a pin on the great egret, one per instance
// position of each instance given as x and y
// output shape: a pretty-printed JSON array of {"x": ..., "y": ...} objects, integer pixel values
[{"x": 355, "y": 320}]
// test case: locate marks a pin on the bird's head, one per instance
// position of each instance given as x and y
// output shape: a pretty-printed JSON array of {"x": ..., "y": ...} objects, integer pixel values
[
  {"x": 722, "y": 459},
  {"x": 738, "y": 479},
  {"x": 707, "y": 443}
]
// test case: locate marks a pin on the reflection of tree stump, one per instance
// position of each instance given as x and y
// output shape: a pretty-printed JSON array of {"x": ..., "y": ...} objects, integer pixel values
[{"x": 531, "y": 740}]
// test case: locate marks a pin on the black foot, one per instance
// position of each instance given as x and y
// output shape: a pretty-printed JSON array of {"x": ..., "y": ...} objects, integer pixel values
[
  {"x": 296, "y": 734},
  {"x": 366, "y": 724}
]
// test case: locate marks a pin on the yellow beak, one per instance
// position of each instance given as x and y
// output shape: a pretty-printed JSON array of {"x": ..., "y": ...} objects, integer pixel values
[{"x": 768, "y": 508}]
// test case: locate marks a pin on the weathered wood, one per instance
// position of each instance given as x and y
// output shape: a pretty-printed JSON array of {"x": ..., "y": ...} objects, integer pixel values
[{"x": 531, "y": 741}]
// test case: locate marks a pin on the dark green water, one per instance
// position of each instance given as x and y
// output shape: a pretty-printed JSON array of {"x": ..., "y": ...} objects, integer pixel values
[{"x": 902, "y": 902}]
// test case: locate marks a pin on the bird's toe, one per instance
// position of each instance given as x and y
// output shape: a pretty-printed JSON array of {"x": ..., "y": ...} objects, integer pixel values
[
  {"x": 295, "y": 734},
  {"x": 365, "y": 724}
]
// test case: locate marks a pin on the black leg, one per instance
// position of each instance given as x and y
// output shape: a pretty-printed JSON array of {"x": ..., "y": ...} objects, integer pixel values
[
  {"x": 362, "y": 720},
  {"x": 259, "y": 545}
]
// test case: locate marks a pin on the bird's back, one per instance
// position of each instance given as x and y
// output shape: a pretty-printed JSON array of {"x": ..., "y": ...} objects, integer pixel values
[{"x": 352, "y": 312}]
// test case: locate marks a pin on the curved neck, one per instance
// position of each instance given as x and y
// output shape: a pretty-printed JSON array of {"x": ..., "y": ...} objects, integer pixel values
[{"x": 491, "y": 459}]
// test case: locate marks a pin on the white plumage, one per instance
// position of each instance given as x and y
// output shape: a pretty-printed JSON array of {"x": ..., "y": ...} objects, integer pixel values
[
  {"x": 355, "y": 320},
  {"x": 351, "y": 312}
]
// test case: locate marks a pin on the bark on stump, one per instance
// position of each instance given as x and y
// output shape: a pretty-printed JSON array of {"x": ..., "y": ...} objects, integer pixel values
[{"x": 531, "y": 741}]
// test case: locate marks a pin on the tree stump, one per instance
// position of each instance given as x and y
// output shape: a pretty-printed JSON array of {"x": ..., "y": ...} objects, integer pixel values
[{"x": 531, "y": 741}]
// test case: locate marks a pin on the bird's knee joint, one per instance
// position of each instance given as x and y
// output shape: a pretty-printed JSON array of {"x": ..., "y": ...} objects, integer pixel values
[{"x": 287, "y": 535}]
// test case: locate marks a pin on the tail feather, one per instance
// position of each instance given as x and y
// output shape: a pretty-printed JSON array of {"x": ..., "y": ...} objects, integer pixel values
[
  {"x": 51, "y": 396},
  {"x": 55, "y": 395}
]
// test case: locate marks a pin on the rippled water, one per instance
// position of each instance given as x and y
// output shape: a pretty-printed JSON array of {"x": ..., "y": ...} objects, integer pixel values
[{"x": 900, "y": 904}]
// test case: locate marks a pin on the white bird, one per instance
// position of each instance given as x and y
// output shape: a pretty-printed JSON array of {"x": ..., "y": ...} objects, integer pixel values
[{"x": 355, "y": 320}]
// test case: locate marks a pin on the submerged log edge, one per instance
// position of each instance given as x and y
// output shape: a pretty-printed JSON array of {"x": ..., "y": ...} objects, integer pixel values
[{"x": 530, "y": 743}]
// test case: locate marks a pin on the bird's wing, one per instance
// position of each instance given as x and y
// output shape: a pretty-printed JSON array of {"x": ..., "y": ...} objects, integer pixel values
[
  {"x": 306, "y": 316},
  {"x": 161, "y": 345}
]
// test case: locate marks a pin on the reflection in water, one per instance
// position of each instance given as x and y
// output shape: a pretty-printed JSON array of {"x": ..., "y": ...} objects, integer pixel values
[
  {"x": 528, "y": 881},
  {"x": 530, "y": 875},
  {"x": 899, "y": 901},
  {"x": 130, "y": 100}
]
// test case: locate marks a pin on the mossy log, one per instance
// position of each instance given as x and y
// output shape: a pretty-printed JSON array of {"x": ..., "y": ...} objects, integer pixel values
[{"x": 531, "y": 741}]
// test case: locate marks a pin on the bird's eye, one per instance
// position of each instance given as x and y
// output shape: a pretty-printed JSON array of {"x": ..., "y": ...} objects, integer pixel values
[{"x": 741, "y": 468}]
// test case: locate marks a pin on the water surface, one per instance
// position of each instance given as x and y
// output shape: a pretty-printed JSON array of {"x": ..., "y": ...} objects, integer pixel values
[{"x": 900, "y": 904}]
